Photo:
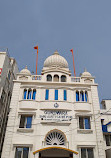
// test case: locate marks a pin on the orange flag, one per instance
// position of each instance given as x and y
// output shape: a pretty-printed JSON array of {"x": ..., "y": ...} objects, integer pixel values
[{"x": 36, "y": 47}]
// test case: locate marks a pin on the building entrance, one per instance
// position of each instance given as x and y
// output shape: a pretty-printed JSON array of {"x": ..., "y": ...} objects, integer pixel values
[{"x": 55, "y": 152}]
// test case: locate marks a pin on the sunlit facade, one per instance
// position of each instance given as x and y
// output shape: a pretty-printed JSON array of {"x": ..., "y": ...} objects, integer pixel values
[{"x": 54, "y": 114}]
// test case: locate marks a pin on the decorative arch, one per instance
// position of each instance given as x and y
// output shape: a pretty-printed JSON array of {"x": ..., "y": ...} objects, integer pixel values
[
  {"x": 49, "y": 77},
  {"x": 56, "y": 78},
  {"x": 55, "y": 137},
  {"x": 63, "y": 78}
]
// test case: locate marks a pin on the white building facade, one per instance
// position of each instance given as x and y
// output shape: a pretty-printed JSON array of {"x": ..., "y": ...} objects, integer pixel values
[
  {"x": 106, "y": 125},
  {"x": 8, "y": 70},
  {"x": 54, "y": 114}
]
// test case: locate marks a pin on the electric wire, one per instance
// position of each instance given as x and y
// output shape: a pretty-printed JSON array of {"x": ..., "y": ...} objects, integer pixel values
[{"x": 25, "y": 134}]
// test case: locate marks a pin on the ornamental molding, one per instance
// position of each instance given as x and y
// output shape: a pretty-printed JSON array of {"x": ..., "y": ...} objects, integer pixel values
[{"x": 85, "y": 131}]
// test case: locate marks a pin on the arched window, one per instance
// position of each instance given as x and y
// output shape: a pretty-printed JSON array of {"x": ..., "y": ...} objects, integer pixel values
[
  {"x": 29, "y": 94},
  {"x": 77, "y": 96},
  {"x": 86, "y": 96},
  {"x": 25, "y": 93},
  {"x": 56, "y": 78},
  {"x": 49, "y": 78},
  {"x": 82, "y": 95},
  {"x": 63, "y": 78},
  {"x": 55, "y": 137},
  {"x": 34, "y": 94}
]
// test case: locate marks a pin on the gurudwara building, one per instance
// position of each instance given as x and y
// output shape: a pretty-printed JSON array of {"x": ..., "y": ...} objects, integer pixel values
[{"x": 54, "y": 114}]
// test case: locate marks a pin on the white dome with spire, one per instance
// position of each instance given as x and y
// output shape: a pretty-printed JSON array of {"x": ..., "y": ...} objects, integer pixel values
[
  {"x": 56, "y": 60},
  {"x": 25, "y": 71},
  {"x": 86, "y": 74}
]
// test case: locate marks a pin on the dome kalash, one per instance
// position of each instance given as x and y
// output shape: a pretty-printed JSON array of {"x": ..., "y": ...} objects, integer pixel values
[{"x": 56, "y": 63}]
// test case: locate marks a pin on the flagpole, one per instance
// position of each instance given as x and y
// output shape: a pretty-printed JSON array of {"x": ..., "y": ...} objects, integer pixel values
[
  {"x": 73, "y": 63},
  {"x": 36, "y": 61},
  {"x": 36, "y": 47}
]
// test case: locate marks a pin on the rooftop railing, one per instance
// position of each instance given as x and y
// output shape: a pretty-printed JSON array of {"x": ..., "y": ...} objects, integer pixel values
[
  {"x": 36, "y": 77},
  {"x": 75, "y": 79}
]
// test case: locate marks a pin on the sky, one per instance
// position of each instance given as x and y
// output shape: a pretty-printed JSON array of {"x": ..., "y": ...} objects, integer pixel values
[{"x": 84, "y": 25}]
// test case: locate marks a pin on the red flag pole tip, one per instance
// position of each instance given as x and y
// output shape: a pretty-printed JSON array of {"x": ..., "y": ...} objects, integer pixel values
[{"x": 36, "y": 47}]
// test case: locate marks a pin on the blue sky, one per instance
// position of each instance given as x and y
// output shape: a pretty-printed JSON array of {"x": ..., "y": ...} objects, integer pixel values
[{"x": 83, "y": 25}]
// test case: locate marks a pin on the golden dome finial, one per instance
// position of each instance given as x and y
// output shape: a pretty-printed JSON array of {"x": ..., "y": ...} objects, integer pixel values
[{"x": 56, "y": 52}]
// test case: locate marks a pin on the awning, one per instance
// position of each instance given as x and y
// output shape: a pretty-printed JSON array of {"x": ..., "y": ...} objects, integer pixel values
[{"x": 54, "y": 147}]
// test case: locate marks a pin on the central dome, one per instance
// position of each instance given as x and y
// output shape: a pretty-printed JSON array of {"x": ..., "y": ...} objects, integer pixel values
[{"x": 56, "y": 60}]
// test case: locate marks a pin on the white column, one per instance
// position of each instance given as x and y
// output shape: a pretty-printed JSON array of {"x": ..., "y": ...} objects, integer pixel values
[
  {"x": 36, "y": 155},
  {"x": 84, "y": 95},
  {"x": 79, "y": 95},
  {"x": 75, "y": 156}
]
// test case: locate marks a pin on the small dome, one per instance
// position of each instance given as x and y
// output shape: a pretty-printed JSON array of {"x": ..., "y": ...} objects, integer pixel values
[
  {"x": 86, "y": 74},
  {"x": 25, "y": 71},
  {"x": 56, "y": 60}
]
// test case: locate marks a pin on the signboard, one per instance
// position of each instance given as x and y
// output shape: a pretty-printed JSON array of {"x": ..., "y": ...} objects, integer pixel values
[
  {"x": 56, "y": 115},
  {"x": 0, "y": 71}
]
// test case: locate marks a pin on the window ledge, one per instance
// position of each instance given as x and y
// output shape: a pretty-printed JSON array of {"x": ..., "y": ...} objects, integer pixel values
[
  {"x": 85, "y": 131},
  {"x": 25, "y": 130},
  {"x": 82, "y": 102},
  {"x": 27, "y": 100}
]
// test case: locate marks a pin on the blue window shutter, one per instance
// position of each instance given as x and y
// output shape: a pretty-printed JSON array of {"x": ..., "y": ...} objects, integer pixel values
[
  {"x": 25, "y": 152},
  {"x": 65, "y": 95},
  {"x": 82, "y": 96},
  {"x": 29, "y": 94},
  {"x": 56, "y": 94},
  {"x": 29, "y": 122},
  {"x": 87, "y": 123},
  {"x": 86, "y": 96},
  {"x": 104, "y": 128},
  {"x": 18, "y": 152},
  {"x": 47, "y": 94},
  {"x": 25, "y": 94},
  {"x": 77, "y": 96},
  {"x": 34, "y": 94}
]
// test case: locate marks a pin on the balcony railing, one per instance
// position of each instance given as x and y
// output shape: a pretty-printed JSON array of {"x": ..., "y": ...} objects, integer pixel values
[
  {"x": 75, "y": 79},
  {"x": 36, "y": 77}
]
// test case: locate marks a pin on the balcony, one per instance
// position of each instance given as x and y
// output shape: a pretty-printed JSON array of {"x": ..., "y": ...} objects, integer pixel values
[{"x": 82, "y": 106}]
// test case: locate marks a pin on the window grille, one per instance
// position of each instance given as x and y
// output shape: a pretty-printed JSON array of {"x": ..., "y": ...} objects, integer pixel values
[{"x": 55, "y": 138}]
